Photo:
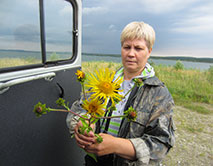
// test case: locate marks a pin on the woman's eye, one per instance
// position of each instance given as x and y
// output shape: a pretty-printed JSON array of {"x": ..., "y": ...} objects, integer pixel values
[
  {"x": 138, "y": 48},
  {"x": 126, "y": 47}
]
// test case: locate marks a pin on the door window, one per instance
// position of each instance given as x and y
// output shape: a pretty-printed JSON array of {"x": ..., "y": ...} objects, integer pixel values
[
  {"x": 19, "y": 33},
  {"x": 58, "y": 29},
  {"x": 22, "y": 42}
]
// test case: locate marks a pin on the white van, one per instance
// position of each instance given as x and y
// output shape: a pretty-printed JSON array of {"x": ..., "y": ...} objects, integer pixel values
[{"x": 40, "y": 51}]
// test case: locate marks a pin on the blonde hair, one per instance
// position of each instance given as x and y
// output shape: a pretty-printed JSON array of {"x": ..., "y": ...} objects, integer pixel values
[{"x": 139, "y": 30}]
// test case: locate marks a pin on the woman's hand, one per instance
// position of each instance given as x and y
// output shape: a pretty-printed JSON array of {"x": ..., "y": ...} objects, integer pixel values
[
  {"x": 113, "y": 145},
  {"x": 110, "y": 145},
  {"x": 103, "y": 148},
  {"x": 86, "y": 139}
]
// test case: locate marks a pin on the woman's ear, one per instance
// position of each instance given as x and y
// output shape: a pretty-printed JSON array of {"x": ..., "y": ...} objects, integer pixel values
[{"x": 149, "y": 53}]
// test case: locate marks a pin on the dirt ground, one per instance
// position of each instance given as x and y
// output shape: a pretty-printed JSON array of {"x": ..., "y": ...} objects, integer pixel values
[{"x": 194, "y": 138}]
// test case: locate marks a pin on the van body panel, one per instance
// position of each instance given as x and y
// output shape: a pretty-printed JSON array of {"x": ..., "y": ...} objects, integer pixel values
[
  {"x": 25, "y": 139},
  {"x": 28, "y": 140}
]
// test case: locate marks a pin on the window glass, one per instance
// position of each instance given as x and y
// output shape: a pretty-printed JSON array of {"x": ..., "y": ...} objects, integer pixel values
[
  {"x": 58, "y": 29},
  {"x": 19, "y": 33}
]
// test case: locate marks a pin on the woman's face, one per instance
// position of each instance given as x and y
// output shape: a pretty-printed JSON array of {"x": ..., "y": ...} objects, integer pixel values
[{"x": 135, "y": 54}]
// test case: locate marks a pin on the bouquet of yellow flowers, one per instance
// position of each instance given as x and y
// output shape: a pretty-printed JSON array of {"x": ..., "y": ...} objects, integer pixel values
[{"x": 102, "y": 87}]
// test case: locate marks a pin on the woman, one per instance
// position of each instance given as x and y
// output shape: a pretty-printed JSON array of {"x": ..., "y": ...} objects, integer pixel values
[{"x": 148, "y": 140}]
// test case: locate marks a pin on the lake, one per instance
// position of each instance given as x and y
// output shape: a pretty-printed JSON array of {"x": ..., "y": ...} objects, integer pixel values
[
  {"x": 187, "y": 64},
  {"x": 92, "y": 57}
]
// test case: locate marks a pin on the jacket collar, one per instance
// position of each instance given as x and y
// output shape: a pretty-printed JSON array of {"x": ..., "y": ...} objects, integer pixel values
[{"x": 153, "y": 81}]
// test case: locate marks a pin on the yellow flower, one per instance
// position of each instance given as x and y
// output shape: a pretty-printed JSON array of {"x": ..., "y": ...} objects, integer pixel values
[
  {"x": 94, "y": 107},
  {"x": 103, "y": 87},
  {"x": 80, "y": 75}
]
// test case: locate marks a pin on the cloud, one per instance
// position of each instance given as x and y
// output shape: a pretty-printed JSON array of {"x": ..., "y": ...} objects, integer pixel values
[
  {"x": 165, "y": 6},
  {"x": 176, "y": 22},
  {"x": 202, "y": 24},
  {"x": 87, "y": 25},
  {"x": 33, "y": 4},
  {"x": 27, "y": 32},
  {"x": 66, "y": 10},
  {"x": 199, "y": 20},
  {"x": 112, "y": 28},
  {"x": 150, "y": 6},
  {"x": 94, "y": 10}
]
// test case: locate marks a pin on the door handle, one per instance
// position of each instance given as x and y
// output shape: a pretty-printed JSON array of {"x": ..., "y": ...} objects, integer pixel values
[{"x": 6, "y": 85}]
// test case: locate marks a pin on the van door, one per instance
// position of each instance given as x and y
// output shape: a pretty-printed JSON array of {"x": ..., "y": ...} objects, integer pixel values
[{"x": 40, "y": 51}]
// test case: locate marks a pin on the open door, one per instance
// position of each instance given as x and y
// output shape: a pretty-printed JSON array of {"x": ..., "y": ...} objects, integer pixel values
[{"x": 40, "y": 51}]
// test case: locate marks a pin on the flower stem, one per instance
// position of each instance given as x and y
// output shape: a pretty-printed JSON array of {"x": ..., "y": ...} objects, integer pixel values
[
  {"x": 83, "y": 89},
  {"x": 89, "y": 122},
  {"x": 129, "y": 91},
  {"x": 110, "y": 117},
  {"x": 62, "y": 110}
]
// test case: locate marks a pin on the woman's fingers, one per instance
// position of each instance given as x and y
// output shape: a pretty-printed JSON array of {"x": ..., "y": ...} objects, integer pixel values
[
  {"x": 84, "y": 140},
  {"x": 81, "y": 143}
]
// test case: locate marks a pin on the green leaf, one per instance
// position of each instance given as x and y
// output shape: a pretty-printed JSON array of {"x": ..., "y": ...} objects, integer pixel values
[
  {"x": 60, "y": 102},
  {"x": 99, "y": 139},
  {"x": 94, "y": 120},
  {"x": 82, "y": 129},
  {"x": 92, "y": 155},
  {"x": 84, "y": 123}
]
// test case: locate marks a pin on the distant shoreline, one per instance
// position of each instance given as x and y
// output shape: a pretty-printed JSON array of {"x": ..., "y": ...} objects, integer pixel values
[
  {"x": 176, "y": 58},
  {"x": 189, "y": 59}
]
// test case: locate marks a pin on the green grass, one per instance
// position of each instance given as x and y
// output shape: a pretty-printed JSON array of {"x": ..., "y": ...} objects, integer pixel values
[
  {"x": 12, "y": 62},
  {"x": 192, "y": 91},
  {"x": 197, "y": 108},
  {"x": 186, "y": 86}
]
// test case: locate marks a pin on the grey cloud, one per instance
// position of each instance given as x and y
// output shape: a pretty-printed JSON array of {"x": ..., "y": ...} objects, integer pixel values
[
  {"x": 27, "y": 32},
  {"x": 95, "y": 10}
]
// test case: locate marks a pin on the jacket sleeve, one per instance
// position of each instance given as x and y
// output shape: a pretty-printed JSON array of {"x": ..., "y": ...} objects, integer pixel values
[
  {"x": 72, "y": 119},
  {"x": 158, "y": 135}
]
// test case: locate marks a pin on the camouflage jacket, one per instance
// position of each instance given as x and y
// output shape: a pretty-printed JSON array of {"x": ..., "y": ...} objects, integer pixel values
[{"x": 152, "y": 134}]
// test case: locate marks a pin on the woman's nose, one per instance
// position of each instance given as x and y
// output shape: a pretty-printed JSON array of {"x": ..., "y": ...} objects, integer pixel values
[{"x": 131, "y": 52}]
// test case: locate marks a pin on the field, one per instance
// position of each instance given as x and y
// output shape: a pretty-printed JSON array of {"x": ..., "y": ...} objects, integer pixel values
[{"x": 192, "y": 91}]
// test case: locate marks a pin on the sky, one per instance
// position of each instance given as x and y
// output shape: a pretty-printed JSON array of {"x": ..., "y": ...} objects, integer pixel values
[
  {"x": 183, "y": 27},
  {"x": 20, "y": 26}
]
